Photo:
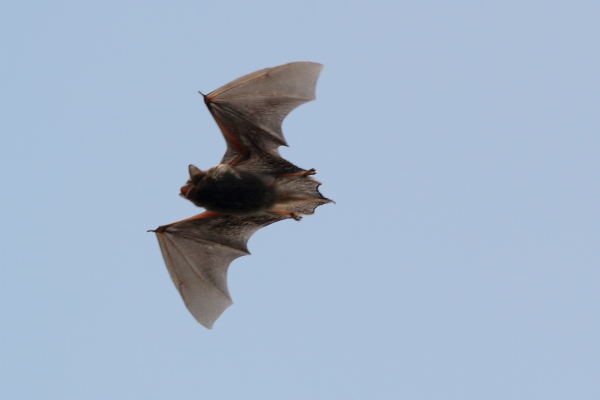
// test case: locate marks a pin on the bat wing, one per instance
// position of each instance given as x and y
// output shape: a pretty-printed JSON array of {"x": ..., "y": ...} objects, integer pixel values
[
  {"x": 198, "y": 252},
  {"x": 251, "y": 109}
]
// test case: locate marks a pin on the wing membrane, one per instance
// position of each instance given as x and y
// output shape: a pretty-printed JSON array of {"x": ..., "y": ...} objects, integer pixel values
[
  {"x": 251, "y": 109},
  {"x": 198, "y": 254}
]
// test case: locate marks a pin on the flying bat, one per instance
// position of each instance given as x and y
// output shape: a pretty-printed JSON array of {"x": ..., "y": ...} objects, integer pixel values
[{"x": 252, "y": 187}]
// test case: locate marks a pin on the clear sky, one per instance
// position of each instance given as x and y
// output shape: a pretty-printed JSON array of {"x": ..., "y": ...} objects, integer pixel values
[{"x": 460, "y": 141}]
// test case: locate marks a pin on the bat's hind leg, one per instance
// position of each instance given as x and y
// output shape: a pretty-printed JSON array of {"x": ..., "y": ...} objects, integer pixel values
[
  {"x": 293, "y": 215},
  {"x": 302, "y": 174}
]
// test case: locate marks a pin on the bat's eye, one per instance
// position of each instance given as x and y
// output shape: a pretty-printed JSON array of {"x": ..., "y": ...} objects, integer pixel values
[{"x": 184, "y": 191}]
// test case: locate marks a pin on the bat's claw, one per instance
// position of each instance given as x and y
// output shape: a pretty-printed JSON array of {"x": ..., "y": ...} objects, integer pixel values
[
  {"x": 302, "y": 174},
  {"x": 311, "y": 171},
  {"x": 293, "y": 215},
  {"x": 160, "y": 229},
  {"x": 296, "y": 216}
]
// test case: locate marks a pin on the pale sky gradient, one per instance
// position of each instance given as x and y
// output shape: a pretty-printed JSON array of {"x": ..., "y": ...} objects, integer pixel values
[{"x": 460, "y": 141}]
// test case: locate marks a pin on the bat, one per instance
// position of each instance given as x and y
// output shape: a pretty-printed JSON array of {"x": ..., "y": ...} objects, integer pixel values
[{"x": 252, "y": 187}]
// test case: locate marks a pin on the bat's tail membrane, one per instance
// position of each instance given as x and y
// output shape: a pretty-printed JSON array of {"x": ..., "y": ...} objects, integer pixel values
[{"x": 300, "y": 195}]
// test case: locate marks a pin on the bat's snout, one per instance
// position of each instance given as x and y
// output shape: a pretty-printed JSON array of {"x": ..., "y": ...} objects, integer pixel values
[{"x": 184, "y": 191}]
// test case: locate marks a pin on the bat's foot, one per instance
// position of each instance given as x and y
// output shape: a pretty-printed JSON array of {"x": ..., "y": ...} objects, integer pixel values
[
  {"x": 296, "y": 216},
  {"x": 293, "y": 215},
  {"x": 302, "y": 174}
]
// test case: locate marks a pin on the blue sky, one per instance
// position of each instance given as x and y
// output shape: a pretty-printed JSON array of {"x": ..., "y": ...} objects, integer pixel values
[{"x": 460, "y": 141}]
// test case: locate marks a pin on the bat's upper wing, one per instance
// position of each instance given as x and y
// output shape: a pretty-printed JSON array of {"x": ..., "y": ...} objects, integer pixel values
[
  {"x": 198, "y": 253},
  {"x": 250, "y": 109}
]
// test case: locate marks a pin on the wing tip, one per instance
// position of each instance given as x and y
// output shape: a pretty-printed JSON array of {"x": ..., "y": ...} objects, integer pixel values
[{"x": 207, "y": 320}]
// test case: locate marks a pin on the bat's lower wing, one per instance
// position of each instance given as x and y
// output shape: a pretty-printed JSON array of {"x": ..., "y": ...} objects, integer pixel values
[
  {"x": 198, "y": 253},
  {"x": 251, "y": 109}
]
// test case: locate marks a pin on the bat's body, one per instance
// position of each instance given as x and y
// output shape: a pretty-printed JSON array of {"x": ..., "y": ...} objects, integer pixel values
[
  {"x": 251, "y": 188},
  {"x": 229, "y": 190}
]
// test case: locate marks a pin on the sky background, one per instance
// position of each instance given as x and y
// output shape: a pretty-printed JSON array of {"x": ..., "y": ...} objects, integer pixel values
[{"x": 460, "y": 141}]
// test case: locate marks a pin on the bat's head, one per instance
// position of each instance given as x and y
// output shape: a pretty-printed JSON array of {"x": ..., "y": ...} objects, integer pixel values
[{"x": 188, "y": 190}]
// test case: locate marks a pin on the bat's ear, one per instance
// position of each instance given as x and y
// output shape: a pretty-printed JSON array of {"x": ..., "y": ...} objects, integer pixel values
[{"x": 194, "y": 170}]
